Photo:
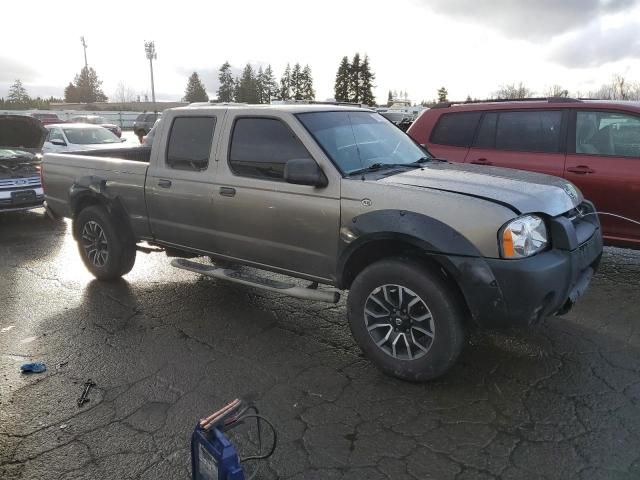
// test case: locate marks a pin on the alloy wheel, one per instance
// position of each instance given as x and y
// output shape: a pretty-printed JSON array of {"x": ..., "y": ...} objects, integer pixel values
[{"x": 399, "y": 322}]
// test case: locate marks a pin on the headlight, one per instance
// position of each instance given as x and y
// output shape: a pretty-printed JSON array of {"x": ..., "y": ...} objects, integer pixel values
[{"x": 523, "y": 237}]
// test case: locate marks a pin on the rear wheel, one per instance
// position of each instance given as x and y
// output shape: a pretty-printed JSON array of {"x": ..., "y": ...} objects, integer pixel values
[
  {"x": 107, "y": 251},
  {"x": 407, "y": 320}
]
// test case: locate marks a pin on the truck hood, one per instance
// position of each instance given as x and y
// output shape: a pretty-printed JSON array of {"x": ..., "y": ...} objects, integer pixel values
[
  {"x": 99, "y": 146},
  {"x": 523, "y": 192},
  {"x": 20, "y": 132},
  {"x": 20, "y": 138}
]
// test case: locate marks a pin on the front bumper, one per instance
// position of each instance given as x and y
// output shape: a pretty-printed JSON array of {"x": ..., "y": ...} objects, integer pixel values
[
  {"x": 21, "y": 199},
  {"x": 519, "y": 293}
]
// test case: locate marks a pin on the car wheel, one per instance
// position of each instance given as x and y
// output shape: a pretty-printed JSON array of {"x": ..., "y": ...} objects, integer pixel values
[
  {"x": 407, "y": 320},
  {"x": 106, "y": 252}
]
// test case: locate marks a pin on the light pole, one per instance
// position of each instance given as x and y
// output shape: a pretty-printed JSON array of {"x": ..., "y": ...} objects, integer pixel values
[
  {"x": 84, "y": 45},
  {"x": 150, "y": 50}
]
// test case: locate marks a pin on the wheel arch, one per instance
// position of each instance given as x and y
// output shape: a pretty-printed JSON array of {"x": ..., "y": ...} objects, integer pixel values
[{"x": 92, "y": 191}]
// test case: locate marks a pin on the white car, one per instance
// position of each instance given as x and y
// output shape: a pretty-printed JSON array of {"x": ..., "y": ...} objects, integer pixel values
[{"x": 74, "y": 137}]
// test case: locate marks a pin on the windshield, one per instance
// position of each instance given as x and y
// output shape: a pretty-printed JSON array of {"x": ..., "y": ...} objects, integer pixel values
[
  {"x": 357, "y": 140},
  {"x": 90, "y": 136}
]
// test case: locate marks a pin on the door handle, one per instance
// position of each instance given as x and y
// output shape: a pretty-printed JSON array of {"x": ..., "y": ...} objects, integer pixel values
[
  {"x": 164, "y": 183},
  {"x": 581, "y": 170},
  {"x": 227, "y": 191},
  {"x": 481, "y": 161}
]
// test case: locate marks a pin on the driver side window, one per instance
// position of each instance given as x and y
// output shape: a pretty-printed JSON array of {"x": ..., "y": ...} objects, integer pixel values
[{"x": 55, "y": 134}]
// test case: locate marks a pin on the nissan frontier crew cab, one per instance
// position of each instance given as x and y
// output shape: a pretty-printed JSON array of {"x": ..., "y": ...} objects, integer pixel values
[{"x": 341, "y": 198}]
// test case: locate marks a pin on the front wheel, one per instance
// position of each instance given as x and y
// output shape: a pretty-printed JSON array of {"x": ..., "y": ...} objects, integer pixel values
[
  {"x": 106, "y": 250},
  {"x": 407, "y": 320}
]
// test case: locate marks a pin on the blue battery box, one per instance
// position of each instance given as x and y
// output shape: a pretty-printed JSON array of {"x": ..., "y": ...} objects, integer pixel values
[{"x": 213, "y": 457}]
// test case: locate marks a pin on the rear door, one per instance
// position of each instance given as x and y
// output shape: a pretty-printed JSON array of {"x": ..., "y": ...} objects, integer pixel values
[
  {"x": 526, "y": 140},
  {"x": 604, "y": 162},
  {"x": 179, "y": 185},
  {"x": 453, "y": 135}
]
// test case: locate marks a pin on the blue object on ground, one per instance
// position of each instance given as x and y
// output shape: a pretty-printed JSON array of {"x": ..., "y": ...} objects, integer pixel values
[
  {"x": 35, "y": 367},
  {"x": 213, "y": 457}
]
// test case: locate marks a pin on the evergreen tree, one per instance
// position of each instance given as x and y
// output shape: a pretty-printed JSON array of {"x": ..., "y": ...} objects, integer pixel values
[
  {"x": 227, "y": 85},
  {"x": 308, "y": 93},
  {"x": 248, "y": 92},
  {"x": 355, "y": 80},
  {"x": 285, "y": 84},
  {"x": 468, "y": 99},
  {"x": 261, "y": 94},
  {"x": 342, "y": 84},
  {"x": 296, "y": 82},
  {"x": 86, "y": 88},
  {"x": 236, "y": 90},
  {"x": 366, "y": 83},
  {"x": 269, "y": 85},
  {"x": 389, "y": 99},
  {"x": 195, "y": 91},
  {"x": 442, "y": 95},
  {"x": 17, "y": 93}
]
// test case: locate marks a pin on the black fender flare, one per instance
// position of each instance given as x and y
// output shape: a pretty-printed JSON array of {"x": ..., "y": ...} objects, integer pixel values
[{"x": 93, "y": 190}]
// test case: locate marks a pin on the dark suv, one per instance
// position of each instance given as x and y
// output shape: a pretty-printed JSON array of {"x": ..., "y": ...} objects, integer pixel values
[
  {"x": 594, "y": 144},
  {"x": 144, "y": 123}
]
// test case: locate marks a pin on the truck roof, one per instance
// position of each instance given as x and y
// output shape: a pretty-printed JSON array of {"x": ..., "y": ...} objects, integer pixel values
[{"x": 292, "y": 108}]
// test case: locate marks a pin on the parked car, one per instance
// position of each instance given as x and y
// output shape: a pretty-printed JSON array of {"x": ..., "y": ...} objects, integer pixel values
[
  {"x": 338, "y": 196},
  {"x": 147, "y": 140},
  {"x": 144, "y": 123},
  {"x": 98, "y": 120},
  {"x": 21, "y": 139},
  {"x": 594, "y": 144},
  {"x": 47, "y": 118},
  {"x": 73, "y": 137}
]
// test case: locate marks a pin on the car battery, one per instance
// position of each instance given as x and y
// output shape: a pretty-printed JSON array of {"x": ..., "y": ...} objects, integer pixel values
[{"x": 213, "y": 457}]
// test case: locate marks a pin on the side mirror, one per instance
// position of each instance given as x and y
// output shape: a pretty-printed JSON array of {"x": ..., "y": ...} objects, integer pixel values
[
  {"x": 59, "y": 142},
  {"x": 304, "y": 171}
]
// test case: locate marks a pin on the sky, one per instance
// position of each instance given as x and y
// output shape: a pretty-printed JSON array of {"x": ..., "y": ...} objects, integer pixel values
[{"x": 471, "y": 47}]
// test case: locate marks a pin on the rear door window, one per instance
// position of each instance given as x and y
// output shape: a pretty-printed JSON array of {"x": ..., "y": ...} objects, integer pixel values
[
  {"x": 456, "y": 129},
  {"x": 528, "y": 131},
  {"x": 189, "y": 144}
]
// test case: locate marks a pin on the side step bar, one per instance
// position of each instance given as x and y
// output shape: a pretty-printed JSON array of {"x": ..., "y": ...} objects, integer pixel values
[{"x": 252, "y": 280}]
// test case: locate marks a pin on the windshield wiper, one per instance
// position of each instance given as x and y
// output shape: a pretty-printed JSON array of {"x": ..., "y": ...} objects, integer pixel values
[{"x": 374, "y": 167}]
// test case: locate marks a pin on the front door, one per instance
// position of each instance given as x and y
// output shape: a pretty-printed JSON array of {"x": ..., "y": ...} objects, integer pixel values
[
  {"x": 260, "y": 218},
  {"x": 179, "y": 185},
  {"x": 605, "y": 165}
]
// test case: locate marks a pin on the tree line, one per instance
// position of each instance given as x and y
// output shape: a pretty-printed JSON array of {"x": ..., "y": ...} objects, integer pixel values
[
  {"x": 354, "y": 81},
  {"x": 255, "y": 86}
]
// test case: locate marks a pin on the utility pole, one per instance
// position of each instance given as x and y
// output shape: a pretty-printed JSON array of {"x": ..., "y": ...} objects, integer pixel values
[
  {"x": 150, "y": 51},
  {"x": 84, "y": 45}
]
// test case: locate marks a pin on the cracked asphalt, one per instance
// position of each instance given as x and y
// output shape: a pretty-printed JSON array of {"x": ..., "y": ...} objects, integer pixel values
[{"x": 166, "y": 347}]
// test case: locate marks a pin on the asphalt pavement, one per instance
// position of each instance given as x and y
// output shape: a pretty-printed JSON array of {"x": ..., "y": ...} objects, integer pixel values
[{"x": 165, "y": 347}]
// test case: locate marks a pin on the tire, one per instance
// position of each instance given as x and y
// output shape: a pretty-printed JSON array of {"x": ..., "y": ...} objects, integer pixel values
[
  {"x": 428, "y": 335},
  {"x": 116, "y": 252}
]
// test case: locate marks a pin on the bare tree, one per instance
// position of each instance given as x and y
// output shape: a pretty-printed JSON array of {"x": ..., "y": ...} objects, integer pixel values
[
  {"x": 513, "y": 91},
  {"x": 556, "y": 91},
  {"x": 618, "y": 89},
  {"x": 123, "y": 94}
]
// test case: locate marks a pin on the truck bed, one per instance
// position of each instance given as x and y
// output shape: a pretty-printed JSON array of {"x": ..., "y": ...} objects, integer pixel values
[
  {"x": 119, "y": 178},
  {"x": 136, "y": 154}
]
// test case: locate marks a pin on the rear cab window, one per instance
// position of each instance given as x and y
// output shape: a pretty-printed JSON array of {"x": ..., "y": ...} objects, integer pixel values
[{"x": 189, "y": 145}]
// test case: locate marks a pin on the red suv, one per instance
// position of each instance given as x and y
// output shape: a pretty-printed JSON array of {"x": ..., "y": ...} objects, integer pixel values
[{"x": 594, "y": 144}]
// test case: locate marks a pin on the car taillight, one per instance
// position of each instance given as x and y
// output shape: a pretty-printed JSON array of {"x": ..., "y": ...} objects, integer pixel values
[{"x": 41, "y": 168}]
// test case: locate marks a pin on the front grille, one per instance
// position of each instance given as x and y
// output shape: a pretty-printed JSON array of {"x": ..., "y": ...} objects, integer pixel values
[{"x": 18, "y": 183}]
